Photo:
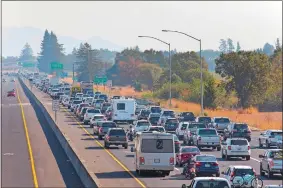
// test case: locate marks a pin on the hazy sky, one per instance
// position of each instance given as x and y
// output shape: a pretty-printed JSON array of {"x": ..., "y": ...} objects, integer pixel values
[{"x": 250, "y": 23}]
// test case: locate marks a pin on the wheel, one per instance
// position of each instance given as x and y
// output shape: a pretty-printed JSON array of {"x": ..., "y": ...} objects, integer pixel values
[
  {"x": 126, "y": 146},
  {"x": 269, "y": 174},
  {"x": 257, "y": 183},
  {"x": 185, "y": 141},
  {"x": 91, "y": 126},
  {"x": 248, "y": 158},
  {"x": 262, "y": 173},
  {"x": 167, "y": 173},
  {"x": 267, "y": 144},
  {"x": 217, "y": 174},
  {"x": 180, "y": 164},
  {"x": 190, "y": 143},
  {"x": 259, "y": 143},
  {"x": 99, "y": 137},
  {"x": 85, "y": 123},
  {"x": 249, "y": 139},
  {"x": 106, "y": 145},
  {"x": 218, "y": 148},
  {"x": 223, "y": 156},
  {"x": 141, "y": 172},
  {"x": 227, "y": 157}
]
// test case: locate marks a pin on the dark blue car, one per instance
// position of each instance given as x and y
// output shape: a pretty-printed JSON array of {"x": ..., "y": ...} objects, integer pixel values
[{"x": 206, "y": 165}]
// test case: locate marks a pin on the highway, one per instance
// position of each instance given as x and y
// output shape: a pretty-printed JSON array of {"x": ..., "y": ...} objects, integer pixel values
[
  {"x": 115, "y": 167},
  {"x": 31, "y": 154}
]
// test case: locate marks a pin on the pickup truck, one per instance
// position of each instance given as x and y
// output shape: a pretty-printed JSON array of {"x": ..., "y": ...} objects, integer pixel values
[
  {"x": 220, "y": 123},
  {"x": 190, "y": 131},
  {"x": 270, "y": 138},
  {"x": 207, "y": 137}
]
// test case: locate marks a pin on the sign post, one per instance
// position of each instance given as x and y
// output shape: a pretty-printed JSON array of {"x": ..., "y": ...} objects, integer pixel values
[
  {"x": 109, "y": 85},
  {"x": 55, "y": 107}
]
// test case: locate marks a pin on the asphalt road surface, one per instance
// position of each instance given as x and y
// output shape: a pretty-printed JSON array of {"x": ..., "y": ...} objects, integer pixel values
[
  {"x": 31, "y": 154},
  {"x": 124, "y": 159}
]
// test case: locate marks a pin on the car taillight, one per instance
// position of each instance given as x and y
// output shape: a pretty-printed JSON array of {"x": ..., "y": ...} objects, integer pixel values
[
  {"x": 215, "y": 164},
  {"x": 232, "y": 176},
  {"x": 177, "y": 142},
  {"x": 254, "y": 173},
  {"x": 249, "y": 147},
  {"x": 100, "y": 129},
  {"x": 142, "y": 160},
  {"x": 229, "y": 147},
  {"x": 171, "y": 160},
  {"x": 271, "y": 163},
  {"x": 198, "y": 164}
]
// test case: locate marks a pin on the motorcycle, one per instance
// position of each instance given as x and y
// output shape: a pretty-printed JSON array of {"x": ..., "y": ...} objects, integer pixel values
[
  {"x": 130, "y": 134},
  {"x": 189, "y": 173}
]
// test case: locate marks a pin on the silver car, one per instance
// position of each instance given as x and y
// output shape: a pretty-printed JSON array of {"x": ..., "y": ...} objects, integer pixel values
[{"x": 271, "y": 162}]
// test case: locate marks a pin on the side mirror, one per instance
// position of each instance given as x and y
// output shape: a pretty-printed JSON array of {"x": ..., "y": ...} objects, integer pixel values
[
  {"x": 261, "y": 156},
  {"x": 261, "y": 133}
]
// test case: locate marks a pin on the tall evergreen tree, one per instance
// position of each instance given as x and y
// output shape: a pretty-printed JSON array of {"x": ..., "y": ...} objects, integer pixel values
[
  {"x": 223, "y": 46},
  {"x": 44, "y": 55},
  {"x": 230, "y": 45},
  {"x": 238, "y": 47},
  {"x": 268, "y": 49},
  {"x": 26, "y": 54}
]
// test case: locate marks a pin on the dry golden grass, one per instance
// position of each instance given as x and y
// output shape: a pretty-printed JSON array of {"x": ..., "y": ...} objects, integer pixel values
[{"x": 260, "y": 120}]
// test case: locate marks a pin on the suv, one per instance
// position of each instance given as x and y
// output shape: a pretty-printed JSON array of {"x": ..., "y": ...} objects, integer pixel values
[
  {"x": 220, "y": 123},
  {"x": 269, "y": 138},
  {"x": 207, "y": 137},
  {"x": 164, "y": 115},
  {"x": 271, "y": 162},
  {"x": 207, "y": 182},
  {"x": 237, "y": 130},
  {"x": 116, "y": 136},
  {"x": 236, "y": 147},
  {"x": 102, "y": 128},
  {"x": 144, "y": 113},
  {"x": 181, "y": 129},
  {"x": 171, "y": 124},
  {"x": 155, "y": 109},
  {"x": 191, "y": 131},
  {"x": 186, "y": 116}
]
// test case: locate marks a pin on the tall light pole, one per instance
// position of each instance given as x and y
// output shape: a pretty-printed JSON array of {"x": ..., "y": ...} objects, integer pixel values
[
  {"x": 201, "y": 69},
  {"x": 170, "y": 67}
]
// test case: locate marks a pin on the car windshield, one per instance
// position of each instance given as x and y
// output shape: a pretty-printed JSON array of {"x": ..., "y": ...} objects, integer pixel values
[
  {"x": 143, "y": 124},
  {"x": 172, "y": 121},
  {"x": 145, "y": 112},
  {"x": 239, "y": 142},
  {"x": 241, "y": 126},
  {"x": 157, "y": 146},
  {"x": 117, "y": 132},
  {"x": 204, "y": 119},
  {"x": 184, "y": 114},
  {"x": 212, "y": 184},
  {"x": 155, "y": 109},
  {"x": 98, "y": 117},
  {"x": 197, "y": 125},
  {"x": 169, "y": 113},
  {"x": 190, "y": 150},
  {"x": 159, "y": 129},
  {"x": 85, "y": 95},
  {"x": 110, "y": 124},
  {"x": 222, "y": 120},
  {"x": 93, "y": 111},
  {"x": 207, "y": 132},
  {"x": 206, "y": 158},
  {"x": 55, "y": 90},
  {"x": 77, "y": 102},
  {"x": 154, "y": 119},
  {"x": 99, "y": 101},
  {"x": 245, "y": 171},
  {"x": 277, "y": 133},
  {"x": 276, "y": 154}
]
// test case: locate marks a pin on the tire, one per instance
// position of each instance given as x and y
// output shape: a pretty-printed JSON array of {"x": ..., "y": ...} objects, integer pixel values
[
  {"x": 99, "y": 137},
  {"x": 218, "y": 174},
  {"x": 126, "y": 146},
  {"x": 262, "y": 173},
  {"x": 248, "y": 158},
  {"x": 249, "y": 139},
  {"x": 218, "y": 148},
  {"x": 85, "y": 123},
  {"x": 223, "y": 156},
  {"x": 267, "y": 144},
  {"x": 167, "y": 173},
  {"x": 259, "y": 182},
  {"x": 269, "y": 174},
  {"x": 260, "y": 144},
  {"x": 106, "y": 145},
  {"x": 227, "y": 157},
  {"x": 141, "y": 172}
]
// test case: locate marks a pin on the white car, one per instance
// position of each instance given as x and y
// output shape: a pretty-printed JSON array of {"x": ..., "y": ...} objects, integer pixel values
[
  {"x": 141, "y": 125},
  {"x": 89, "y": 114},
  {"x": 236, "y": 174},
  {"x": 207, "y": 182},
  {"x": 96, "y": 118},
  {"x": 79, "y": 95},
  {"x": 65, "y": 101},
  {"x": 236, "y": 147},
  {"x": 181, "y": 129},
  {"x": 74, "y": 104},
  {"x": 270, "y": 138}
]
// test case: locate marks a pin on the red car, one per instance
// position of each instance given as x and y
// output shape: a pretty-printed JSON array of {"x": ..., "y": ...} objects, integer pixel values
[
  {"x": 186, "y": 153},
  {"x": 11, "y": 93}
]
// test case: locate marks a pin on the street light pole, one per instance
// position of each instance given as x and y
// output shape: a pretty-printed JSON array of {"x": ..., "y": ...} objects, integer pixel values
[
  {"x": 201, "y": 66},
  {"x": 170, "y": 66},
  {"x": 73, "y": 72}
]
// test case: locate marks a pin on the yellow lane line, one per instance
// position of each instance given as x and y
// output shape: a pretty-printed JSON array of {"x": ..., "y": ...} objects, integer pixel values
[
  {"x": 111, "y": 155},
  {"x": 28, "y": 141}
]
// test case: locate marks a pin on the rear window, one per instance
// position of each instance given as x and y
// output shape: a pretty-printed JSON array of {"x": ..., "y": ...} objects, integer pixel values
[
  {"x": 159, "y": 129},
  {"x": 94, "y": 111},
  {"x": 157, "y": 146},
  {"x": 117, "y": 132},
  {"x": 143, "y": 124},
  {"x": 240, "y": 126},
  {"x": 168, "y": 113},
  {"x": 204, "y": 119},
  {"x": 190, "y": 150},
  {"x": 276, "y": 133},
  {"x": 222, "y": 120},
  {"x": 206, "y": 158},
  {"x": 109, "y": 125},
  {"x": 239, "y": 142},
  {"x": 207, "y": 132},
  {"x": 154, "y": 119},
  {"x": 99, "y": 101},
  {"x": 212, "y": 184},
  {"x": 240, "y": 172},
  {"x": 77, "y": 102},
  {"x": 197, "y": 125},
  {"x": 121, "y": 106},
  {"x": 145, "y": 112},
  {"x": 155, "y": 109}
]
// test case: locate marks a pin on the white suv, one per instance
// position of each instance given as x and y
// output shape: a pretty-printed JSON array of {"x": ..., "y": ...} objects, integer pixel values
[
  {"x": 236, "y": 147},
  {"x": 208, "y": 182},
  {"x": 270, "y": 138}
]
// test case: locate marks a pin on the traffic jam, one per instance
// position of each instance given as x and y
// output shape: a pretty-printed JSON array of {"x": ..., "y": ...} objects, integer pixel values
[{"x": 162, "y": 140}]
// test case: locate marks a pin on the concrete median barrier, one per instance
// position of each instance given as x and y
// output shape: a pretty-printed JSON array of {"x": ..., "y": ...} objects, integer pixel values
[{"x": 86, "y": 178}]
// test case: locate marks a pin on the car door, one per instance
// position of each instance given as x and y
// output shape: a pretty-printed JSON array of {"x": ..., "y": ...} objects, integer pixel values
[
  {"x": 265, "y": 161},
  {"x": 264, "y": 137},
  {"x": 226, "y": 174}
]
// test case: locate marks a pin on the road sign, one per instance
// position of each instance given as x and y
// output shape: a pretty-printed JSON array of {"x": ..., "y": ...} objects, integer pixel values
[
  {"x": 55, "y": 105},
  {"x": 100, "y": 79},
  {"x": 109, "y": 83},
  {"x": 28, "y": 64},
  {"x": 64, "y": 74},
  {"x": 56, "y": 66},
  {"x": 75, "y": 79}
]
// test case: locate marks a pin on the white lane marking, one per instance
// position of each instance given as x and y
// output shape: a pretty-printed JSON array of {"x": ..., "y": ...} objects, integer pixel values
[{"x": 255, "y": 160}]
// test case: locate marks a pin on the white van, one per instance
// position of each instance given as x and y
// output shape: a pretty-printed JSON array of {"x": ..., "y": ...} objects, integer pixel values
[
  {"x": 155, "y": 152},
  {"x": 123, "y": 110}
]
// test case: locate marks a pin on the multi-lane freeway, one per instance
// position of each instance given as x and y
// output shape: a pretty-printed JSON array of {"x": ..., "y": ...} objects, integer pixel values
[
  {"x": 31, "y": 155},
  {"x": 112, "y": 168}
]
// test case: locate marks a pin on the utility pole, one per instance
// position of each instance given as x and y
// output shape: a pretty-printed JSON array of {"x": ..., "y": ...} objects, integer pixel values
[{"x": 73, "y": 73}]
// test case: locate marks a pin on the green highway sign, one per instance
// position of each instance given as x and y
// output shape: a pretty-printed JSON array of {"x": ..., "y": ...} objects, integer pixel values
[
  {"x": 56, "y": 65},
  {"x": 100, "y": 79},
  {"x": 75, "y": 79}
]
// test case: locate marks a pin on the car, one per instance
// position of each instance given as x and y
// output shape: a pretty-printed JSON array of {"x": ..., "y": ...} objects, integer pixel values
[
  {"x": 11, "y": 94},
  {"x": 171, "y": 124},
  {"x": 164, "y": 115},
  {"x": 82, "y": 112},
  {"x": 206, "y": 165},
  {"x": 141, "y": 125},
  {"x": 186, "y": 116},
  {"x": 177, "y": 143},
  {"x": 271, "y": 162},
  {"x": 144, "y": 113},
  {"x": 203, "y": 119},
  {"x": 269, "y": 138},
  {"x": 208, "y": 182},
  {"x": 207, "y": 137},
  {"x": 185, "y": 153},
  {"x": 279, "y": 144},
  {"x": 181, "y": 129},
  {"x": 155, "y": 109},
  {"x": 236, "y": 147},
  {"x": 156, "y": 128},
  {"x": 139, "y": 108},
  {"x": 273, "y": 186},
  {"x": 96, "y": 118},
  {"x": 237, "y": 130},
  {"x": 74, "y": 103},
  {"x": 104, "y": 107},
  {"x": 103, "y": 127},
  {"x": 220, "y": 123},
  {"x": 79, "y": 108},
  {"x": 116, "y": 136},
  {"x": 234, "y": 172},
  {"x": 89, "y": 114},
  {"x": 190, "y": 131}
]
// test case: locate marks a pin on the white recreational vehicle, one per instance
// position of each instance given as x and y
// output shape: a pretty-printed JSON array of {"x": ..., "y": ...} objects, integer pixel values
[
  {"x": 123, "y": 110},
  {"x": 155, "y": 152}
]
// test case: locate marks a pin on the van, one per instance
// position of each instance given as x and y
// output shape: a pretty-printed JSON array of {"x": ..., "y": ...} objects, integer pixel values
[
  {"x": 123, "y": 110},
  {"x": 154, "y": 152}
]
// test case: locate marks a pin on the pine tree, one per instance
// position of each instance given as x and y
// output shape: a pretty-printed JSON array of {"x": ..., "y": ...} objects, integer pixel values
[
  {"x": 230, "y": 45},
  {"x": 44, "y": 55},
  {"x": 223, "y": 46},
  {"x": 238, "y": 47},
  {"x": 26, "y": 54}
]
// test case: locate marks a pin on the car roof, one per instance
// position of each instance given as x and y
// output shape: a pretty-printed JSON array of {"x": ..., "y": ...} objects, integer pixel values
[
  {"x": 142, "y": 121},
  {"x": 220, "y": 117},
  {"x": 274, "y": 130},
  {"x": 116, "y": 128},
  {"x": 156, "y": 127},
  {"x": 237, "y": 138},
  {"x": 274, "y": 150},
  {"x": 210, "y": 178},
  {"x": 241, "y": 167}
]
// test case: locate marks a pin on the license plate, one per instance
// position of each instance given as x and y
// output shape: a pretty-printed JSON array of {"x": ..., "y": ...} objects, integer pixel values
[
  {"x": 156, "y": 160},
  {"x": 207, "y": 165},
  {"x": 239, "y": 148}
]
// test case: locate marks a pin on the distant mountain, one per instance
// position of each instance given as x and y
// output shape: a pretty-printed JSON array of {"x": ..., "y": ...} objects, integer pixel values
[{"x": 14, "y": 38}]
